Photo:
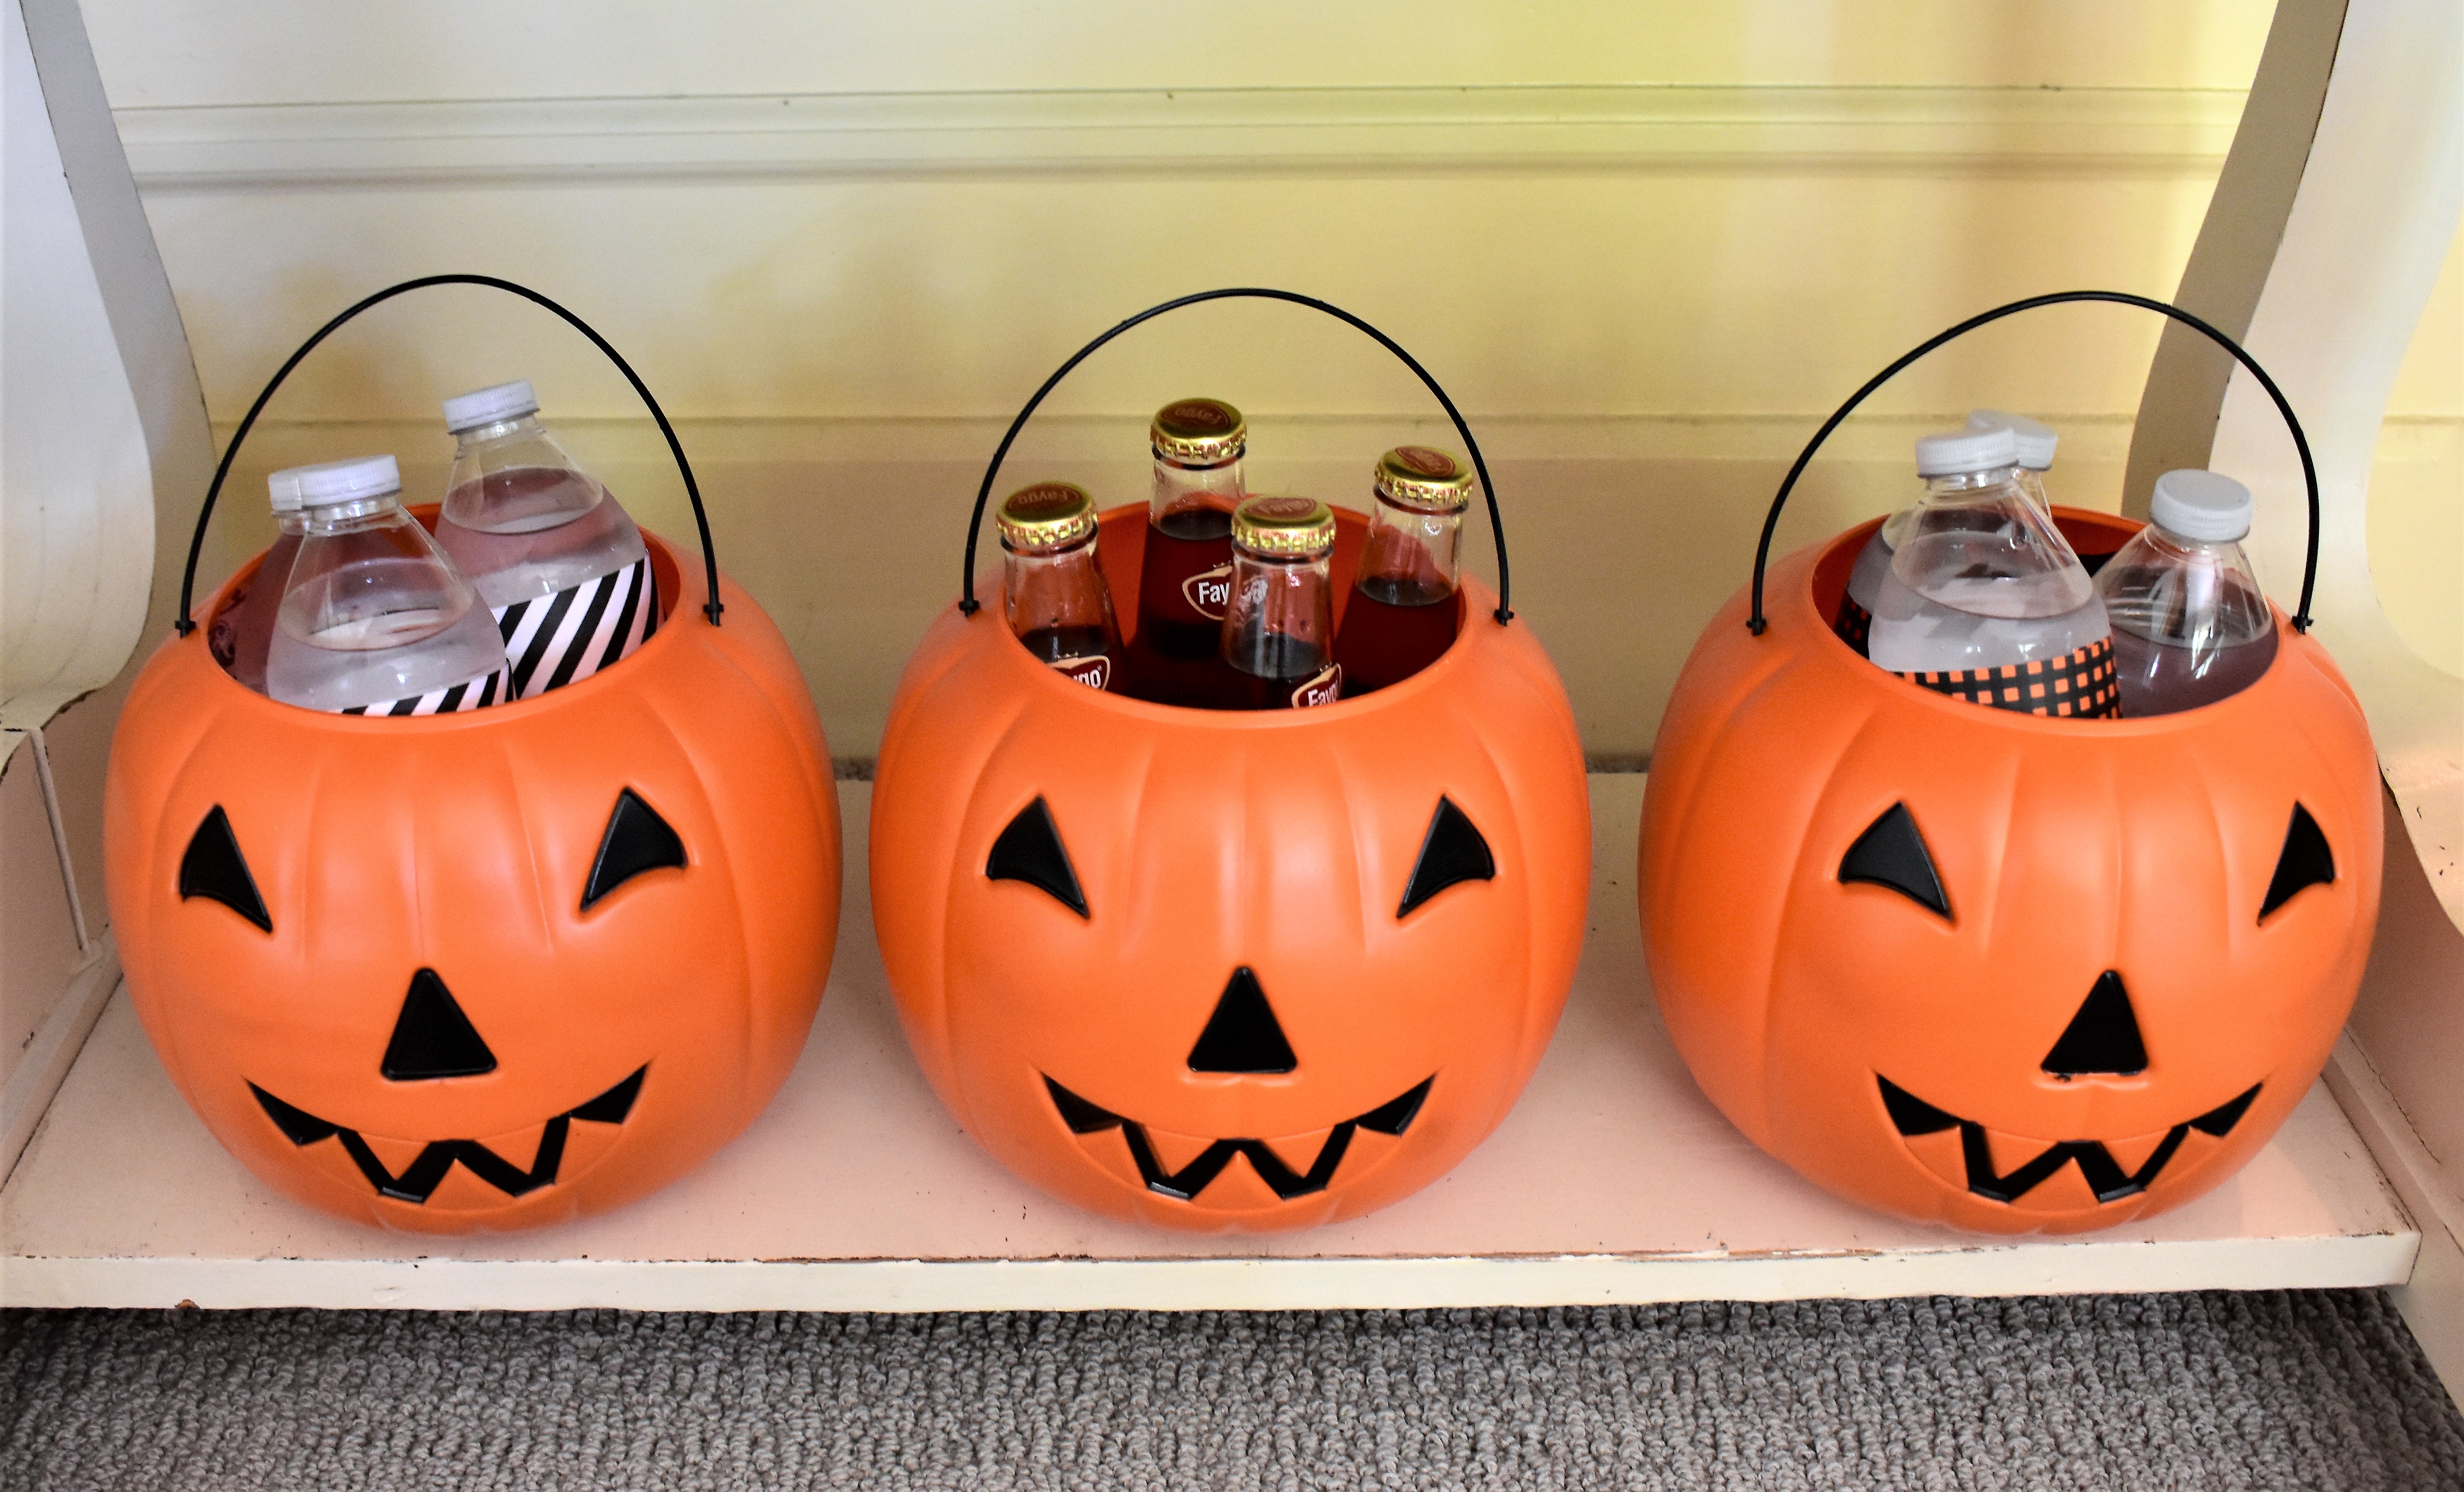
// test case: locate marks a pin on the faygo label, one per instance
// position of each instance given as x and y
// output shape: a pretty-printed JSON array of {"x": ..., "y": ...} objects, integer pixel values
[
  {"x": 1209, "y": 592},
  {"x": 1324, "y": 690},
  {"x": 1095, "y": 673}
]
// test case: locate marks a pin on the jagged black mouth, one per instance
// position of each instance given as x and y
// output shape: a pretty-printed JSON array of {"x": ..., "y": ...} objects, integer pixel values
[
  {"x": 1392, "y": 1117},
  {"x": 427, "y": 1170},
  {"x": 2104, "y": 1176}
]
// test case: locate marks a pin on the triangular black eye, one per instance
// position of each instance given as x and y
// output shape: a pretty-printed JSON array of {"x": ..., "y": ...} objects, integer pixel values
[
  {"x": 213, "y": 868},
  {"x": 2306, "y": 860},
  {"x": 1892, "y": 854},
  {"x": 1030, "y": 850},
  {"x": 1454, "y": 851},
  {"x": 637, "y": 840}
]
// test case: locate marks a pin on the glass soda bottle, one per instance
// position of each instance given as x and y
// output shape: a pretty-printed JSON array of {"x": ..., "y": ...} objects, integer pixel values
[
  {"x": 241, "y": 632},
  {"x": 2036, "y": 441},
  {"x": 1984, "y": 600},
  {"x": 1404, "y": 610},
  {"x": 2189, "y": 624},
  {"x": 1278, "y": 635},
  {"x": 1185, "y": 579},
  {"x": 555, "y": 557},
  {"x": 376, "y": 619},
  {"x": 1052, "y": 591}
]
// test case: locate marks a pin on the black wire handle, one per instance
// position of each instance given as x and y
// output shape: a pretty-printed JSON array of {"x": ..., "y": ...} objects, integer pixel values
[
  {"x": 1755, "y": 623},
  {"x": 969, "y": 605},
  {"x": 693, "y": 491}
]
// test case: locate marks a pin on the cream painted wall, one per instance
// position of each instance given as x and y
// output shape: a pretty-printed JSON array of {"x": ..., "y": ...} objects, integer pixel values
[
  {"x": 1644, "y": 246},
  {"x": 308, "y": 51}
]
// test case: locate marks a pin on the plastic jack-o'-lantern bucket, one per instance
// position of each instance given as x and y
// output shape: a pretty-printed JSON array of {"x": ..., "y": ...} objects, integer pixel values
[
  {"x": 486, "y": 970},
  {"x": 1098, "y": 913},
  {"x": 2011, "y": 972}
]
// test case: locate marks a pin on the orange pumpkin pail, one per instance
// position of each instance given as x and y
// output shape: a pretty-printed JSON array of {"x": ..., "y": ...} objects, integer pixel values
[
  {"x": 2010, "y": 972},
  {"x": 1228, "y": 970},
  {"x": 487, "y": 970}
]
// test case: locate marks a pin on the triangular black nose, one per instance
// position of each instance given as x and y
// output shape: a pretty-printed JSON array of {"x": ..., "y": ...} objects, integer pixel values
[
  {"x": 1242, "y": 1035},
  {"x": 432, "y": 1037},
  {"x": 2103, "y": 1037}
]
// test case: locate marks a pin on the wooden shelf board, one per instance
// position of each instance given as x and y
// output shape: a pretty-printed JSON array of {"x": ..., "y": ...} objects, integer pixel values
[{"x": 1614, "y": 1180}]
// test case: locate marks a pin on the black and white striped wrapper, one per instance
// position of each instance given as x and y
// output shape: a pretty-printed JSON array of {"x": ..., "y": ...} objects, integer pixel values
[
  {"x": 473, "y": 694},
  {"x": 551, "y": 641}
]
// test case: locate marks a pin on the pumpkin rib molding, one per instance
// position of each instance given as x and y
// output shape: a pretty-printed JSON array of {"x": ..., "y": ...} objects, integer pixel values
[
  {"x": 456, "y": 851},
  {"x": 2101, "y": 1025},
  {"x": 1209, "y": 847}
]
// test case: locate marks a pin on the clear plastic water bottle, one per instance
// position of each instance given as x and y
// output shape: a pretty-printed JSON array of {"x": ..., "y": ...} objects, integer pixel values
[
  {"x": 2038, "y": 442},
  {"x": 376, "y": 620},
  {"x": 2035, "y": 442},
  {"x": 554, "y": 556},
  {"x": 242, "y": 631},
  {"x": 2189, "y": 624},
  {"x": 1984, "y": 600}
]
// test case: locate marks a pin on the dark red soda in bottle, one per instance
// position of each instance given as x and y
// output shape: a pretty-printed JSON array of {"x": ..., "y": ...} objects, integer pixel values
[
  {"x": 242, "y": 633},
  {"x": 1405, "y": 609},
  {"x": 1186, "y": 582},
  {"x": 1278, "y": 636},
  {"x": 1052, "y": 593}
]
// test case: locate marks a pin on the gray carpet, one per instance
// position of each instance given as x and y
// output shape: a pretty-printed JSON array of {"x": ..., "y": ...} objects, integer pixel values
[{"x": 2320, "y": 1392}]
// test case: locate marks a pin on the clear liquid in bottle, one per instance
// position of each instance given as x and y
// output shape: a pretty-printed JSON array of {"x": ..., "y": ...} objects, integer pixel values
[
  {"x": 1981, "y": 584},
  {"x": 556, "y": 559},
  {"x": 375, "y": 619}
]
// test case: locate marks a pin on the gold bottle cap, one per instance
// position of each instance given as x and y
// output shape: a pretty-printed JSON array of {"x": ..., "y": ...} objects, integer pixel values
[
  {"x": 1424, "y": 479},
  {"x": 1047, "y": 515},
  {"x": 1198, "y": 432},
  {"x": 1301, "y": 527}
]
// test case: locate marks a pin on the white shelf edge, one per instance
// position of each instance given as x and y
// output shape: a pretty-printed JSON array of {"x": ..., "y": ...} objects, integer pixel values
[
  {"x": 899, "y": 1285},
  {"x": 2364, "y": 1237}
]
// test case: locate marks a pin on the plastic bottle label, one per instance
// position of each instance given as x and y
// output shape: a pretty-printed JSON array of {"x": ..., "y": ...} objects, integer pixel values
[
  {"x": 1095, "y": 673},
  {"x": 475, "y": 693},
  {"x": 1854, "y": 625},
  {"x": 1209, "y": 592},
  {"x": 2081, "y": 684},
  {"x": 553, "y": 640},
  {"x": 1324, "y": 690}
]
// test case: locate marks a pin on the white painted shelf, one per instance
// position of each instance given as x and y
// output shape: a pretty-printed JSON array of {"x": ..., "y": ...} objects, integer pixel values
[{"x": 1614, "y": 1180}]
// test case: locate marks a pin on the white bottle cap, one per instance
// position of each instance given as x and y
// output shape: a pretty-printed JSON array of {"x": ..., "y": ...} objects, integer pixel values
[
  {"x": 1959, "y": 453},
  {"x": 2037, "y": 439},
  {"x": 489, "y": 405},
  {"x": 284, "y": 487},
  {"x": 335, "y": 482},
  {"x": 2202, "y": 505}
]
